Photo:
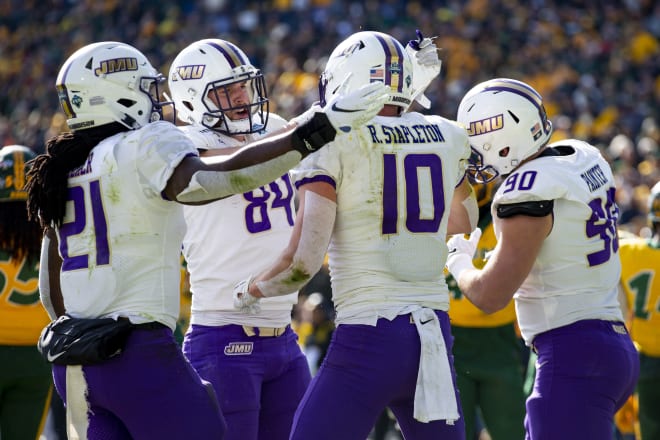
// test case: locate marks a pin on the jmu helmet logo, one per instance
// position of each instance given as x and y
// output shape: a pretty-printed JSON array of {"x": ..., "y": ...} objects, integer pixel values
[
  {"x": 189, "y": 72},
  {"x": 116, "y": 65},
  {"x": 487, "y": 125}
]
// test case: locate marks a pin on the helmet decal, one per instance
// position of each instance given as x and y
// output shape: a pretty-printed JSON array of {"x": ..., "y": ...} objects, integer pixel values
[
  {"x": 352, "y": 48},
  {"x": 116, "y": 65},
  {"x": 189, "y": 72},
  {"x": 486, "y": 125}
]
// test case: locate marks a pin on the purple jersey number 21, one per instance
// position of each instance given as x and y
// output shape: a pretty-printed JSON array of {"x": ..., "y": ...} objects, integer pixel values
[{"x": 76, "y": 195}]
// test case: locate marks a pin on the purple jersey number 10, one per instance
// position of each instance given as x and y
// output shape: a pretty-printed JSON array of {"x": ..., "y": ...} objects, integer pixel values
[
  {"x": 76, "y": 195},
  {"x": 411, "y": 166}
]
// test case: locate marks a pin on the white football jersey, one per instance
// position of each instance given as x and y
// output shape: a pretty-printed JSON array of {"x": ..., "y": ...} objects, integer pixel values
[
  {"x": 230, "y": 239},
  {"x": 576, "y": 273},
  {"x": 395, "y": 179},
  {"x": 120, "y": 238}
]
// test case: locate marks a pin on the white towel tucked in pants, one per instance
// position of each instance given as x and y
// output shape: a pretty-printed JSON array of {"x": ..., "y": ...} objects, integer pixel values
[{"x": 435, "y": 398}]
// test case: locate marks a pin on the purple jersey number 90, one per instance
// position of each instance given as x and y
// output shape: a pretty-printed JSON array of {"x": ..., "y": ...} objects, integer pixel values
[{"x": 602, "y": 223}]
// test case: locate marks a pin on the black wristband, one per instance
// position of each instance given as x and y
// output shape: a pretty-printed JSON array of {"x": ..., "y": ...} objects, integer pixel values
[{"x": 313, "y": 134}]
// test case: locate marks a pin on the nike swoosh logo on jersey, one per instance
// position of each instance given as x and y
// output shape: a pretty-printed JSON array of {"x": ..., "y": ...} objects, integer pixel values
[
  {"x": 426, "y": 322},
  {"x": 342, "y": 110}
]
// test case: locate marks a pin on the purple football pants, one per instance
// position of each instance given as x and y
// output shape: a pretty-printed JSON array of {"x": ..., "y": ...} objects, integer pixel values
[
  {"x": 366, "y": 370},
  {"x": 259, "y": 381},
  {"x": 148, "y": 392},
  {"x": 585, "y": 372}
]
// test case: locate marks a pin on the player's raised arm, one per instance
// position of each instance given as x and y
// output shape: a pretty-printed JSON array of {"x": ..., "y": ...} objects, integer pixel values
[{"x": 264, "y": 160}]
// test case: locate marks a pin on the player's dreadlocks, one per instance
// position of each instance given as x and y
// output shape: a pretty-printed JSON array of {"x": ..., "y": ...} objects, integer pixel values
[
  {"x": 47, "y": 178},
  {"x": 19, "y": 236}
]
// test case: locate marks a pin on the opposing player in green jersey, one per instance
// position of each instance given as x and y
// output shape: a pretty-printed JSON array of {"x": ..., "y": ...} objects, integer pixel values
[
  {"x": 640, "y": 272},
  {"x": 26, "y": 383}
]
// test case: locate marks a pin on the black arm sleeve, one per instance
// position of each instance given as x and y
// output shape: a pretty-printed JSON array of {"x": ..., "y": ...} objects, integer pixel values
[
  {"x": 532, "y": 209},
  {"x": 313, "y": 134}
]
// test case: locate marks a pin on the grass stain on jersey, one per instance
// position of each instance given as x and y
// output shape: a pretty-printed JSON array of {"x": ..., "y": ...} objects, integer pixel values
[
  {"x": 113, "y": 191},
  {"x": 239, "y": 181},
  {"x": 298, "y": 274}
]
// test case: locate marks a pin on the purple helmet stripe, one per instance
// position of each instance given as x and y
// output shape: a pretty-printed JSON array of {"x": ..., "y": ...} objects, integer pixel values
[
  {"x": 523, "y": 90},
  {"x": 393, "y": 54},
  {"x": 230, "y": 53}
]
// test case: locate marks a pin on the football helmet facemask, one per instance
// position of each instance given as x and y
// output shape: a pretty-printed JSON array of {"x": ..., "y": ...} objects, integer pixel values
[
  {"x": 109, "y": 82},
  {"x": 208, "y": 68},
  {"x": 366, "y": 57},
  {"x": 506, "y": 122},
  {"x": 13, "y": 160}
]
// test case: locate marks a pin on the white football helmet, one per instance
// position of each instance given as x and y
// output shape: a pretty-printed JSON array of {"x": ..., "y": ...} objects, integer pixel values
[
  {"x": 366, "y": 57},
  {"x": 109, "y": 82},
  {"x": 506, "y": 122},
  {"x": 211, "y": 66}
]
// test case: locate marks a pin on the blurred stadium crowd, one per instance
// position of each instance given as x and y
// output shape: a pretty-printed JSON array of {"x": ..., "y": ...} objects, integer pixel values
[{"x": 597, "y": 63}]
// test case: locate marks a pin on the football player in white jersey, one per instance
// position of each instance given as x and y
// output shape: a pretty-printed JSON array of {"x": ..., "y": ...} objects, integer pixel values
[
  {"x": 106, "y": 193},
  {"x": 555, "y": 220},
  {"x": 223, "y": 98},
  {"x": 381, "y": 202}
]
